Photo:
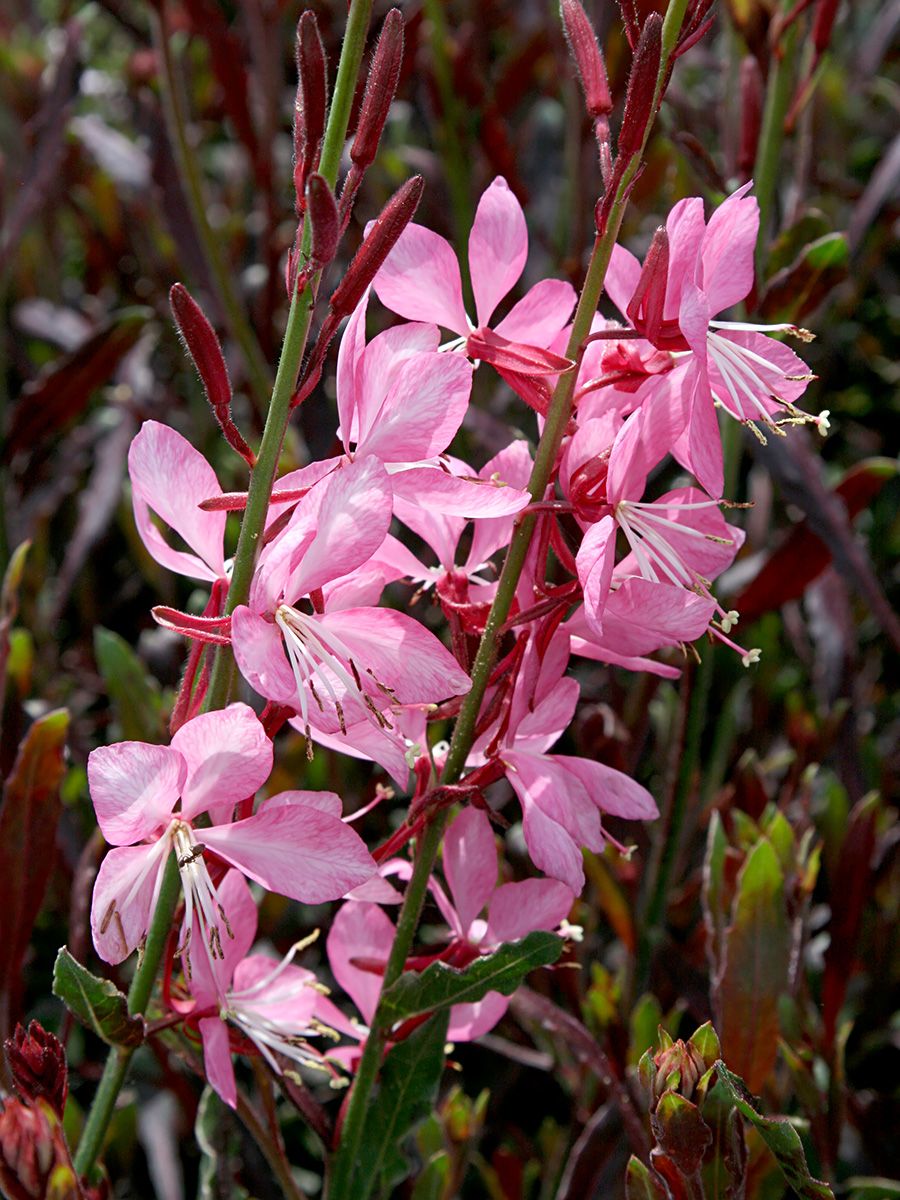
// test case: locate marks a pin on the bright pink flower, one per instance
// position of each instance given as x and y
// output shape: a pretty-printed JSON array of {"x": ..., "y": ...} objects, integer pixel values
[
  {"x": 704, "y": 269},
  {"x": 420, "y": 280},
  {"x": 563, "y": 797},
  {"x": 147, "y": 799},
  {"x": 513, "y": 911},
  {"x": 253, "y": 998},
  {"x": 348, "y": 664}
]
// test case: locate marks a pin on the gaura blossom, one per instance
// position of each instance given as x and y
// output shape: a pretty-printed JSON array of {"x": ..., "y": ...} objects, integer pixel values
[
  {"x": 147, "y": 800},
  {"x": 247, "y": 1002},
  {"x": 420, "y": 280},
  {"x": 348, "y": 663},
  {"x": 696, "y": 270}
]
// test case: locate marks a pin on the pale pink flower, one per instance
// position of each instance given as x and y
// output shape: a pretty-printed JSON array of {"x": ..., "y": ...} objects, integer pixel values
[{"x": 147, "y": 799}]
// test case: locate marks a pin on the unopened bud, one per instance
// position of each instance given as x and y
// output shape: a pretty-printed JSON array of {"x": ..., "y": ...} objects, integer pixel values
[
  {"x": 311, "y": 103},
  {"x": 588, "y": 59},
  {"x": 37, "y": 1061},
  {"x": 751, "y": 91},
  {"x": 203, "y": 346},
  {"x": 324, "y": 222},
  {"x": 377, "y": 245},
  {"x": 27, "y": 1151},
  {"x": 639, "y": 99},
  {"x": 382, "y": 84},
  {"x": 646, "y": 309},
  {"x": 629, "y": 12}
]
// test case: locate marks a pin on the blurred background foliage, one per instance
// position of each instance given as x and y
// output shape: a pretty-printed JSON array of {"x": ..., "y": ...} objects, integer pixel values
[{"x": 766, "y": 898}]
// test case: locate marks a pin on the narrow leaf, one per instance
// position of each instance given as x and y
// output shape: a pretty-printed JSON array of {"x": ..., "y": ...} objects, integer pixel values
[
  {"x": 754, "y": 967},
  {"x": 215, "y": 1134},
  {"x": 440, "y": 986},
  {"x": 97, "y": 1003},
  {"x": 133, "y": 692},
  {"x": 28, "y": 818},
  {"x": 639, "y": 1182},
  {"x": 779, "y": 1135}
]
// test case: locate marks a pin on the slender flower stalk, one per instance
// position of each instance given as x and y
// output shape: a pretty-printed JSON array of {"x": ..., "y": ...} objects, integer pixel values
[
  {"x": 261, "y": 483},
  {"x": 558, "y": 416}
]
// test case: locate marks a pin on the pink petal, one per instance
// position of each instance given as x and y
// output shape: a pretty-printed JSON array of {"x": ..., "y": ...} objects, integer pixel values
[
  {"x": 726, "y": 255},
  {"x": 517, "y": 909},
  {"x": 613, "y": 791},
  {"x": 512, "y": 468},
  {"x": 381, "y": 364},
  {"x": 470, "y": 1021},
  {"x": 423, "y": 410},
  {"x": 787, "y": 377},
  {"x": 228, "y": 757},
  {"x": 551, "y": 848},
  {"x": 399, "y": 653},
  {"x": 420, "y": 280},
  {"x": 595, "y": 561},
  {"x": 353, "y": 519},
  {"x": 642, "y": 616},
  {"x": 685, "y": 226},
  {"x": 326, "y": 802},
  {"x": 349, "y": 370},
  {"x": 289, "y": 1001},
  {"x": 448, "y": 495},
  {"x": 646, "y": 437},
  {"x": 498, "y": 248},
  {"x": 622, "y": 277},
  {"x": 170, "y": 477},
  {"x": 541, "y": 313},
  {"x": 260, "y": 656},
  {"x": 699, "y": 448},
  {"x": 237, "y": 938},
  {"x": 470, "y": 864},
  {"x": 552, "y": 715},
  {"x": 296, "y": 851},
  {"x": 217, "y": 1059},
  {"x": 134, "y": 787},
  {"x": 366, "y": 740},
  {"x": 359, "y": 931},
  {"x": 116, "y": 936}
]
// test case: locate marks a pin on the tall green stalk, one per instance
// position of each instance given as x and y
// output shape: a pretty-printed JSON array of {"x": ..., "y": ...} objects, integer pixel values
[
  {"x": 252, "y": 527},
  {"x": 771, "y": 137}
]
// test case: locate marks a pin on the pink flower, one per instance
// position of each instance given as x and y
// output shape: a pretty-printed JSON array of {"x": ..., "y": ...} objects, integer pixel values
[
  {"x": 147, "y": 799},
  {"x": 696, "y": 270},
  {"x": 349, "y": 663},
  {"x": 562, "y": 796},
  {"x": 251, "y": 998},
  {"x": 420, "y": 280}
]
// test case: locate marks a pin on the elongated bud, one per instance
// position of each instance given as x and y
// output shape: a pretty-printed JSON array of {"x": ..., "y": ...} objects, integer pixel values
[
  {"x": 588, "y": 59},
  {"x": 377, "y": 245},
  {"x": 310, "y": 104},
  {"x": 37, "y": 1061},
  {"x": 203, "y": 347},
  {"x": 324, "y": 221},
  {"x": 647, "y": 306},
  {"x": 629, "y": 12},
  {"x": 382, "y": 84},
  {"x": 641, "y": 90},
  {"x": 751, "y": 88}
]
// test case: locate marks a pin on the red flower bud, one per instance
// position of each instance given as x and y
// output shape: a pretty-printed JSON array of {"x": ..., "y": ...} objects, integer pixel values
[
  {"x": 751, "y": 90},
  {"x": 639, "y": 99},
  {"x": 382, "y": 84},
  {"x": 632, "y": 24},
  {"x": 28, "y": 1151},
  {"x": 588, "y": 59},
  {"x": 377, "y": 245},
  {"x": 37, "y": 1061},
  {"x": 310, "y": 104},
  {"x": 325, "y": 225},
  {"x": 647, "y": 306},
  {"x": 203, "y": 346}
]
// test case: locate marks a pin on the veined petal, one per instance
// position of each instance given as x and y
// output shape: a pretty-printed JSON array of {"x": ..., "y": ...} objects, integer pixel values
[
  {"x": 470, "y": 1021},
  {"x": 217, "y": 1059},
  {"x": 517, "y": 909},
  {"x": 326, "y": 802},
  {"x": 383, "y": 358},
  {"x": 726, "y": 254},
  {"x": 240, "y": 910},
  {"x": 123, "y": 896},
  {"x": 424, "y": 408},
  {"x": 595, "y": 561},
  {"x": 348, "y": 381},
  {"x": 470, "y": 864},
  {"x": 228, "y": 756},
  {"x": 685, "y": 226},
  {"x": 611, "y": 790},
  {"x": 259, "y": 653},
  {"x": 359, "y": 931},
  {"x": 448, "y": 495},
  {"x": 498, "y": 247},
  {"x": 170, "y": 477},
  {"x": 295, "y": 850},
  {"x": 420, "y": 280},
  {"x": 622, "y": 277},
  {"x": 134, "y": 787},
  {"x": 541, "y": 313}
]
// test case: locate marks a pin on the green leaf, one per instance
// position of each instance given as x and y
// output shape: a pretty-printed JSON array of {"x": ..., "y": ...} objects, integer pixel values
[
  {"x": 639, "y": 1183},
  {"x": 713, "y": 893},
  {"x": 440, "y": 986},
  {"x": 706, "y": 1043},
  {"x": 133, "y": 693},
  {"x": 871, "y": 1187},
  {"x": 215, "y": 1134},
  {"x": 779, "y": 1135},
  {"x": 432, "y": 1182},
  {"x": 97, "y": 1003},
  {"x": 681, "y": 1131},
  {"x": 754, "y": 965},
  {"x": 409, "y": 1083},
  {"x": 796, "y": 290}
]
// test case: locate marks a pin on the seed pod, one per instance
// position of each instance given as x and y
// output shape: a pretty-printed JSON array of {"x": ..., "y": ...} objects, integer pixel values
[
  {"x": 377, "y": 245},
  {"x": 382, "y": 84},
  {"x": 310, "y": 104},
  {"x": 639, "y": 99}
]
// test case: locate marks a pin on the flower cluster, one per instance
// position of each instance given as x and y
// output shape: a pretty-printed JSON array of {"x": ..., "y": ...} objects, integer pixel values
[{"x": 618, "y": 569}]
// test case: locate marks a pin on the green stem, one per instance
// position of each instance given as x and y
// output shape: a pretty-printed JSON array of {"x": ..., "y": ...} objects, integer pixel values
[
  {"x": 252, "y": 527},
  {"x": 186, "y": 157},
  {"x": 119, "y": 1057},
  {"x": 768, "y": 154}
]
